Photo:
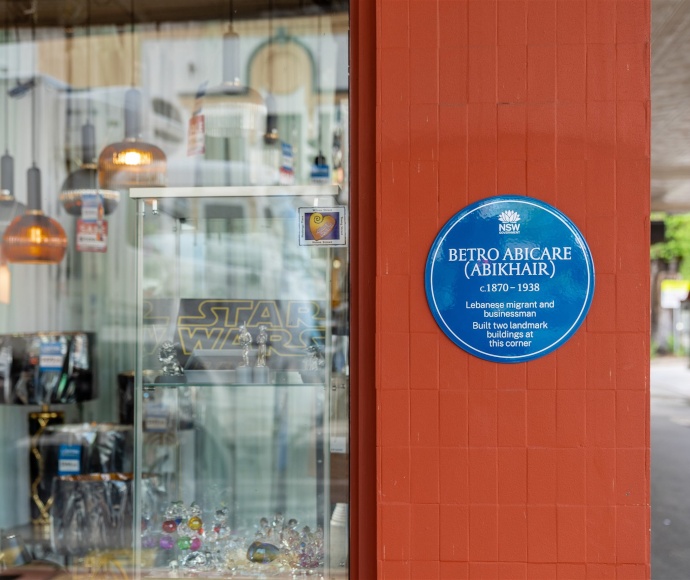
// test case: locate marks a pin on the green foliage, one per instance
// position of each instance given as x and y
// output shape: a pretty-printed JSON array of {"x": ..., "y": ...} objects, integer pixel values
[{"x": 677, "y": 243}]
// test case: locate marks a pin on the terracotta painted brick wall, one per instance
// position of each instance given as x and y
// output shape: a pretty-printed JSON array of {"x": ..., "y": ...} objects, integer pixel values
[{"x": 515, "y": 471}]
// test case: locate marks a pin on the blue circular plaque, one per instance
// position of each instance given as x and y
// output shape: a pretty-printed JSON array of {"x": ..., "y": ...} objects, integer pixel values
[{"x": 509, "y": 279}]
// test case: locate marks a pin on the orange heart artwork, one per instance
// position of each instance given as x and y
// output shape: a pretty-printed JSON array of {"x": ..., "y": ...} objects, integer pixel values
[{"x": 320, "y": 225}]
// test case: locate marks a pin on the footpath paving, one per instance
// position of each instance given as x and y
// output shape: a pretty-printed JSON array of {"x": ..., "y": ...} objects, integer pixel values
[{"x": 670, "y": 461}]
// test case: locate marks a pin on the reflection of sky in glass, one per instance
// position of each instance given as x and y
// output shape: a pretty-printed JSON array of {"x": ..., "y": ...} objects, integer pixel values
[{"x": 247, "y": 254}]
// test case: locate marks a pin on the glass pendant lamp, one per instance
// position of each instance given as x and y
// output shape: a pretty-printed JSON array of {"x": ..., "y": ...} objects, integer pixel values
[
  {"x": 33, "y": 237},
  {"x": 232, "y": 109},
  {"x": 9, "y": 206},
  {"x": 9, "y": 209},
  {"x": 132, "y": 162},
  {"x": 84, "y": 180},
  {"x": 271, "y": 134},
  {"x": 5, "y": 279}
]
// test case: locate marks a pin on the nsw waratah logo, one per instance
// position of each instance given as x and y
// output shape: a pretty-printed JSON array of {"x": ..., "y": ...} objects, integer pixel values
[{"x": 509, "y": 222}]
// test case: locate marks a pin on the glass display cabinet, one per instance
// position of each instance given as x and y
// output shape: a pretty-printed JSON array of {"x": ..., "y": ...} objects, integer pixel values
[{"x": 240, "y": 357}]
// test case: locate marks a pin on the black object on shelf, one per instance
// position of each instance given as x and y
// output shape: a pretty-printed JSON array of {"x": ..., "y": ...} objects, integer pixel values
[{"x": 47, "y": 368}]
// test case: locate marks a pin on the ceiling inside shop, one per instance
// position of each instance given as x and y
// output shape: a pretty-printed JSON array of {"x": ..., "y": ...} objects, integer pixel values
[{"x": 670, "y": 91}]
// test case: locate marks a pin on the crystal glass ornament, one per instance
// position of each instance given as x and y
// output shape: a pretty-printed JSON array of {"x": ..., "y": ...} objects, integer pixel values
[
  {"x": 262, "y": 552},
  {"x": 194, "y": 510},
  {"x": 195, "y": 561},
  {"x": 176, "y": 512},
  {"x": 195, "y": 523},
  {"x": 220, "y": 523},
  {"x": 149, "y": 540}
]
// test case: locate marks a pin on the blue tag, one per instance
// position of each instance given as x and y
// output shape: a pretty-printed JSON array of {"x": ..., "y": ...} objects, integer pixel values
[
  {"x": 69, "y": 460},
  {"x": 92, "y": 207},
  {"x": 509, "y": 279},
  {"x": 50, "y": 356},
  {"x": 320, "y": 174},
  {"x": 287, "y": 161},
  {"x": 156, "y": 417},
  {"x": 287, "y": 169}
]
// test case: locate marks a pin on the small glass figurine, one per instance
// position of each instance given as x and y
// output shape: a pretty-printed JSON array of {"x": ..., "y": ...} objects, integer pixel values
[
  {"x": 315, "y": 360},
  {"x": 261, "y": 371},
  {"x": 261, "y": 341},
  {"x": 172, "y": 370},
  {"x": 313, "y": 365},
  {"x": 244, "y": 371},
  {"x": 245, "y": 343}
]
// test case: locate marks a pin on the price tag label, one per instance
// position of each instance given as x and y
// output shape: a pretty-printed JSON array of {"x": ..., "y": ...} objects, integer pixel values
[
  {"x": 50, "y": 356},
  {"x": 69, "y": 460}
]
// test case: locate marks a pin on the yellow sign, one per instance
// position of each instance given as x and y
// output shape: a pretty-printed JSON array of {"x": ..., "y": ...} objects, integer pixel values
[{"x": 673, "y": 292}]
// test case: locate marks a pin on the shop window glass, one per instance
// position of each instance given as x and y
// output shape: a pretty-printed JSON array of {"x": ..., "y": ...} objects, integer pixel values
[{"x": 174, "y": 391}]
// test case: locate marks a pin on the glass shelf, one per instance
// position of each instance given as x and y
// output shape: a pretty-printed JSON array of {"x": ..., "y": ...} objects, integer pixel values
[{"x": 232, "y": 385}]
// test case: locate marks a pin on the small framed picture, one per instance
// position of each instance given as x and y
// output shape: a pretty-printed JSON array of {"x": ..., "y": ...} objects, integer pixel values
[{"x": 322, "y": 226}]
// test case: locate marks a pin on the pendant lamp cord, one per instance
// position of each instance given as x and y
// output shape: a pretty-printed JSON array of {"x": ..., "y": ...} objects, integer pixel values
[
  {"x": 69, "y": 51},
  {"x": 6, "y": 96},
  {"x": 270, "y": 46},
  {"x": 132, "y": 33},
  {"x": 318, "y": 82},
  {"x": 88, "y": 61},
  {"x": 34, "y": 88}
]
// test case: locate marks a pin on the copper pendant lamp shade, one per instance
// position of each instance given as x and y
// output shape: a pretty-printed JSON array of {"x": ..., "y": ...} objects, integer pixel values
[
  {"x": 33, "y": 237},
  {"x": 132, "y": 162}
]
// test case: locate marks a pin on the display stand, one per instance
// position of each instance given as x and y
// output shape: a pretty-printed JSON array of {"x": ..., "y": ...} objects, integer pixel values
[{"x": 234, "y": 315}]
